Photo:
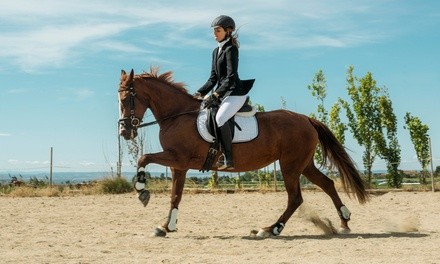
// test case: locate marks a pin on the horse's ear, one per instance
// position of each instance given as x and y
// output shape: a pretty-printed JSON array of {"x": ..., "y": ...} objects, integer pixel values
[
  {"x": 131, "y": 74},
  {"x": 123, "y": 72}
]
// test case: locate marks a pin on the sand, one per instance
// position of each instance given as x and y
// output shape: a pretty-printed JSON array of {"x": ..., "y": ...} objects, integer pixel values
[{"x": 396, "y": 227}]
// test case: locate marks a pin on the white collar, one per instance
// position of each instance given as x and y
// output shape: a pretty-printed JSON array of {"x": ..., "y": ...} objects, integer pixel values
[{"x": 222, "y": 43}]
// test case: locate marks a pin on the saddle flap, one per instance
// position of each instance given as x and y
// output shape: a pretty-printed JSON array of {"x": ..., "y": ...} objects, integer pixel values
[{"x": 248, "y": 125}]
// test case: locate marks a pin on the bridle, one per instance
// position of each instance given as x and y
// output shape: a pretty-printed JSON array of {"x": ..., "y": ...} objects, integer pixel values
[{"x": 132, "y": 121}]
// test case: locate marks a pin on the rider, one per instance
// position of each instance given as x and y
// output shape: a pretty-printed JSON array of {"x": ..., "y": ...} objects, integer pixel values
[{"x": 231, "y": 91}]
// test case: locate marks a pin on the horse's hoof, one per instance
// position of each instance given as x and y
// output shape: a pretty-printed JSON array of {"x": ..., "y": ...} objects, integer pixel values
[
  {"x": 159, "y": 232},
  {"x": 343, "y": 230},
  {"x": 144, "y": 197},
  {"x": 263, "y": 234}
]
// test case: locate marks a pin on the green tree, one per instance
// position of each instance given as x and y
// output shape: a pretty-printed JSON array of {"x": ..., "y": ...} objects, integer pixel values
[
  {"x": 213, "y": 181},
  {"x": 420, "y": 139},
  {"x": 259, "y": 107},
  {"x": 364, "y": 115},
  {"x": 336, "y": 124},
  {"x": 332, "y": 119},
  {"x": 387, "y": 143},
  {"x": 318, "y": 89}
]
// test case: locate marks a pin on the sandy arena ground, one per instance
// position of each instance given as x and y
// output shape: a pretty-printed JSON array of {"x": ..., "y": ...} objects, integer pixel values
[{"x": 396, "y": 227}]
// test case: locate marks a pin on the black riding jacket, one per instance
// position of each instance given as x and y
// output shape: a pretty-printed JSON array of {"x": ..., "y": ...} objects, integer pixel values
[{"x": 224, "y": 73}]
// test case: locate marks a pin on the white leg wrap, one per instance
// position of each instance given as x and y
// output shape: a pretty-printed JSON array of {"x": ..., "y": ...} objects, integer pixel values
[
  {"x": 278, "y": 228},
  {"x": 345, "y": 213},
  {"x": 172, "y": 220},
  {"x": 139, "y": 186}
]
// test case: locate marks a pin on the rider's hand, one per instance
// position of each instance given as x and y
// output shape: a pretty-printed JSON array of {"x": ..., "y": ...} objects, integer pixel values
[
  {"x": 211, "y": 100},
  {"x": 197, "y": 96}
]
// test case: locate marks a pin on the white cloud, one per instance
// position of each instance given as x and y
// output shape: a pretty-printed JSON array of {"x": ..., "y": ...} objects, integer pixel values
[
  {"x": 32, "y": 162},
  {"x": 83, "y": 93},
  {"x": 17, "y": 90},
  {"x": 51, "y": 45},
  {"x": 52, "y": 33},
  {"x": 5, "y": 134},
  {"x": 87, "y": 164}
]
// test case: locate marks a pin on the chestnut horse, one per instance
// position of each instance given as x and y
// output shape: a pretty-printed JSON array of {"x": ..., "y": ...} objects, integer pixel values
[{"x": 285, "y": 136}]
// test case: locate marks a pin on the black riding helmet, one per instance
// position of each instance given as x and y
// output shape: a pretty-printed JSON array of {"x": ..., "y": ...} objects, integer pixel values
[{"x": 224, "y": 22}]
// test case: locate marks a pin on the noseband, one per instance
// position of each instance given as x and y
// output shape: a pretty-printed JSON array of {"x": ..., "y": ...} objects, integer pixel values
[{"x": 132, "y": 120}]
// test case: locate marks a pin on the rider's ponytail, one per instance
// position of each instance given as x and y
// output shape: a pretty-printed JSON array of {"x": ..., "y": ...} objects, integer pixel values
[{"x": 234, "y": 37}]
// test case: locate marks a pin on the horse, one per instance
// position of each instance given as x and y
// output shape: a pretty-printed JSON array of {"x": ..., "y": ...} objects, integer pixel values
[{"x": 284, "y": 136}]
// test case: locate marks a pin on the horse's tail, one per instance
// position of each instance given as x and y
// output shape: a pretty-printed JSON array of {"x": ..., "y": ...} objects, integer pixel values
[{"x": 333, "y": 151}]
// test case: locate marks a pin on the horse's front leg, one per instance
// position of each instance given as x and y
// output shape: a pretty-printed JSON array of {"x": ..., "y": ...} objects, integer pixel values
[
  {"x": 176, "y": 197},
  {"x": 163, "y": 158}
]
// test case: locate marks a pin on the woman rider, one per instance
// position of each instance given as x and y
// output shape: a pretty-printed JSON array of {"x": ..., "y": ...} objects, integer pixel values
[{"x": 231, "y": 91}]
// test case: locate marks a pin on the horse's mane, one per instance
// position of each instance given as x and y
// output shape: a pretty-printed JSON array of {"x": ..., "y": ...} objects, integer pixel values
[{"x": 166, "y": 78}]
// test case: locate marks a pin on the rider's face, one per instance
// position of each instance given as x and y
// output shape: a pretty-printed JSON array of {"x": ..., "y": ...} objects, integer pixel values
[{"x": 219, "y": 34}]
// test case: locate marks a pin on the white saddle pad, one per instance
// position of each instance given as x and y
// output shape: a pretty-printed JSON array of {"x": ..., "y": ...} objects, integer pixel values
[{"x": 248, "y": 125}]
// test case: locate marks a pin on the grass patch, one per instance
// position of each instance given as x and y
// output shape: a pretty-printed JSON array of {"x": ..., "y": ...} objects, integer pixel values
[{"x": 114, "y": 185}]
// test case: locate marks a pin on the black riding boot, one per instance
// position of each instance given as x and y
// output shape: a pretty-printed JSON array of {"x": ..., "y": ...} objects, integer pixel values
[{"x": 226, "y": 142}]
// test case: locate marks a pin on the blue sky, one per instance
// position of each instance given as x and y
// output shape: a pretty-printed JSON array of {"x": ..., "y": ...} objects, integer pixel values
[{"x": 60, "y": 63}]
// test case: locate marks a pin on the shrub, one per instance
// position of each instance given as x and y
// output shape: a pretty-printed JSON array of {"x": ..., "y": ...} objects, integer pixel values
[
  {"x": 37, "y": 183},
  {"x": 115, "y": 185}
]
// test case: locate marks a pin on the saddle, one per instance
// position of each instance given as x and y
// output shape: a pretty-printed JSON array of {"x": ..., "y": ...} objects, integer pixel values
[
  {"x": 244, "y": 121},
  {"x": 245, "y": 110}
]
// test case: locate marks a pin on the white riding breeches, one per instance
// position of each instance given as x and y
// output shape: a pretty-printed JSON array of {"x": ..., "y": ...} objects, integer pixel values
[{"x": 228, "y": 108}]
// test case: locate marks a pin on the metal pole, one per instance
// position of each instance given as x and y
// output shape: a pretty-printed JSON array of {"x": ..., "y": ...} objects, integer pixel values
[
  {"x": 432, "y": 166},
  {"x": 119, "y": 163},
  {"x": 51, "y": 166},
  {"x": 275, "y": 174}
]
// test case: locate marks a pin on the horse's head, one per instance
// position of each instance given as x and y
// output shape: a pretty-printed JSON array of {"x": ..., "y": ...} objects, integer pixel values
[{"x": 131, "y": 110}]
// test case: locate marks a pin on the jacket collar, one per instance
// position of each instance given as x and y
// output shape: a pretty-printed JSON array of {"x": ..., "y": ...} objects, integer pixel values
[{"x": 223, "y": 44}]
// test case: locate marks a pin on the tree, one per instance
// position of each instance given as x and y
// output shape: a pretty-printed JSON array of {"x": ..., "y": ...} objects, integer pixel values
[
  {"x": 283, "y": 103},
  {"x": 332, "y": 119},
  {"x": 420, "y": 139},
  {"x": 318, "y": 89},
  {"x": 336, "y": 124},
  {"x": 388, "y": 146},
  {"x": 364, "y": 115},
  {"x": 338, "y": 128}
]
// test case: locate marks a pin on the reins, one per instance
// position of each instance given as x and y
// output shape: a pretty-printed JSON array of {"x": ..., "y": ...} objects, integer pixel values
[{"x": 166, "y": 118}]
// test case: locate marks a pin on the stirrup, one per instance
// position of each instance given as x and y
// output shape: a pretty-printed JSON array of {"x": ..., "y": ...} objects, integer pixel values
[
  {"x": 226, "y": 166},
  {"x": 220, "y": 161}
]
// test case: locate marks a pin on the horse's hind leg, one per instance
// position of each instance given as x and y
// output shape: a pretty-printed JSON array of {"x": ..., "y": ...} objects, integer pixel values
[
  {"x": 176, "y": 197},
  {"x": 291, "y": 181},
  {"x": 328, "y": 186}
]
